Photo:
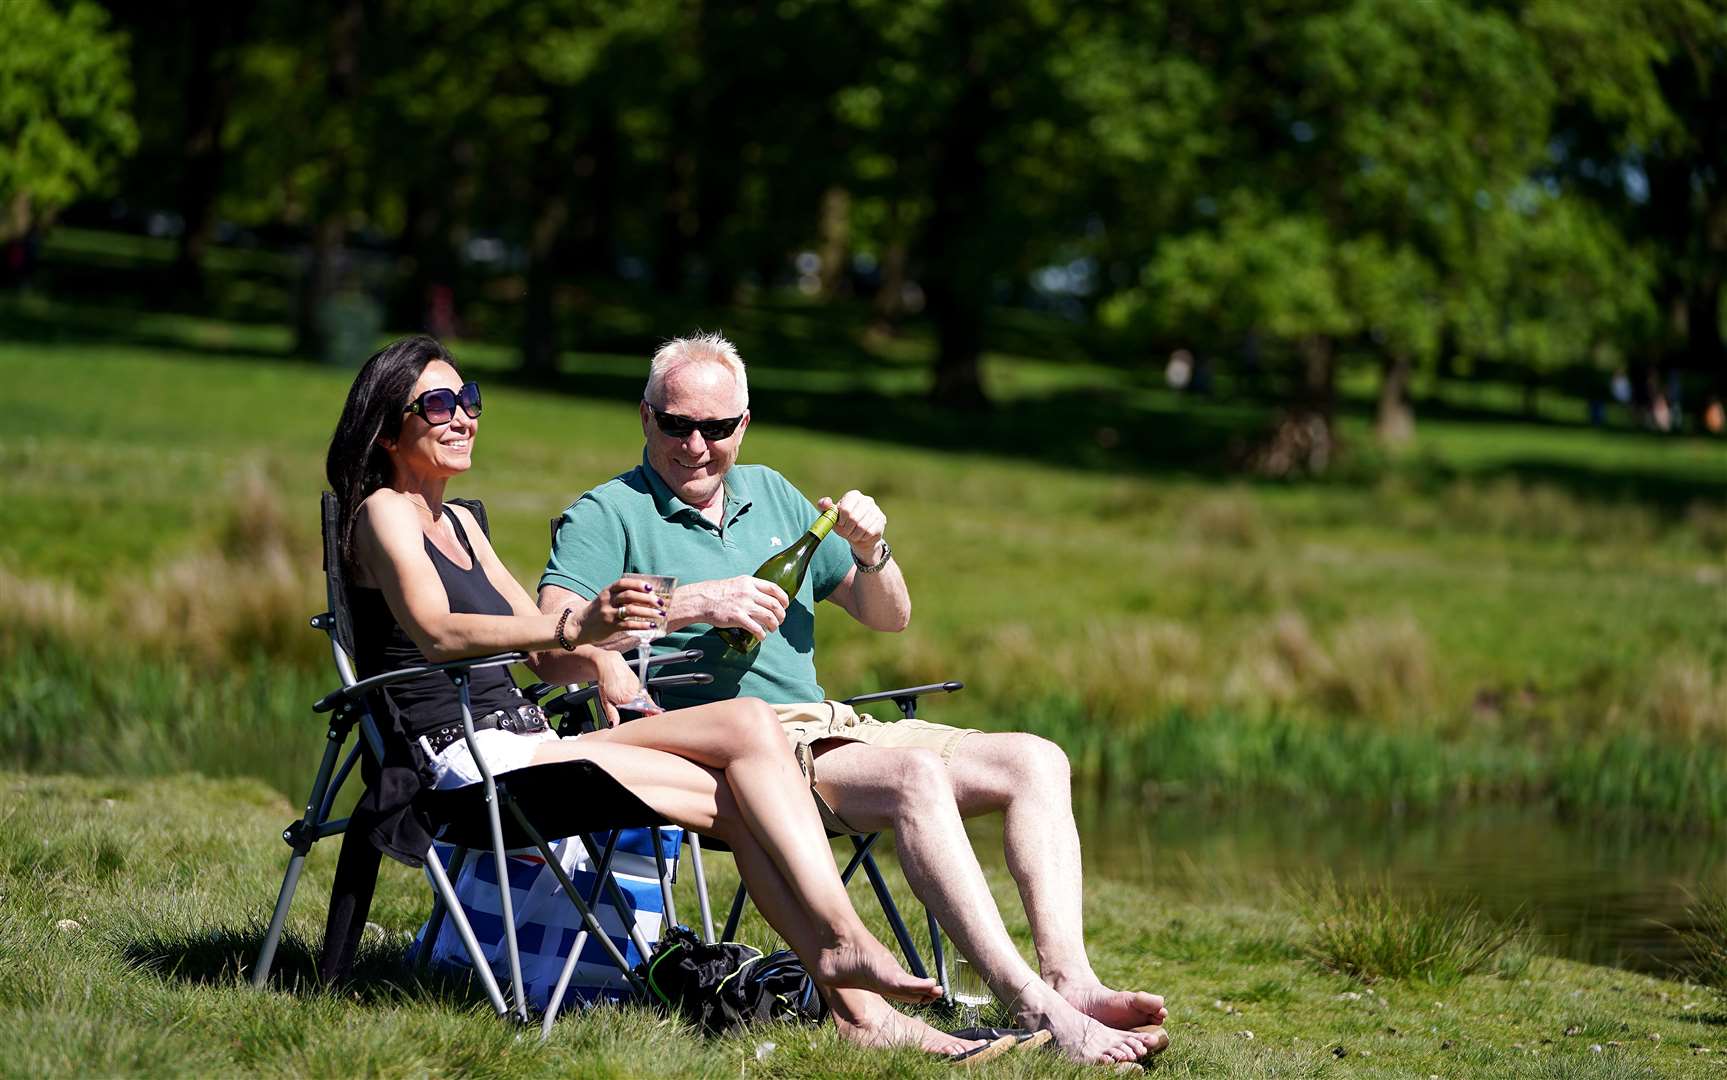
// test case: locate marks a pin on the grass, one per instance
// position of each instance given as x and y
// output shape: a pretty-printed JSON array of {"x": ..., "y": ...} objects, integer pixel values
[
  {"x": 1513, "y": 610},
  {"x": 167, "y": 883},
  {"x": 1370, "y": 933},
  {"x": 1705, "y": 937}
]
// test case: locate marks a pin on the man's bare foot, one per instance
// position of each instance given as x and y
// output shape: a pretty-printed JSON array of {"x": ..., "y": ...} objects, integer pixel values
[
  {"x": 869, "y": 966},
  {"x": 884, "y": 1027},
  {"x": 1080, "y": 1037},
  {"x": 1124, "y": 1009}
]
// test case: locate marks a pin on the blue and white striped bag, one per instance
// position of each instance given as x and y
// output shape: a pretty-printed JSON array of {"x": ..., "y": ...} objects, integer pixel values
[{"x": 547, "y": 923}]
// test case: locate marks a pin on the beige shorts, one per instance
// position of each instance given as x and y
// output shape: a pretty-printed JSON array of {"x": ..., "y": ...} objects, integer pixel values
[{"x": 807, "y": 723}]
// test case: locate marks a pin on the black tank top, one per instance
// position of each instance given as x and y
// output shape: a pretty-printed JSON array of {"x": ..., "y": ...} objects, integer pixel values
[{"x": 380, "y": 645}]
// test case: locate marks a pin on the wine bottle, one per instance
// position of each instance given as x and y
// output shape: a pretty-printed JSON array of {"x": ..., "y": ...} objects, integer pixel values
[{"x": 786, "y": 570}]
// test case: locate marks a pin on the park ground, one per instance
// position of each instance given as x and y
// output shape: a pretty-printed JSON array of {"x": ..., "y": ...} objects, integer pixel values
[{"x": 1524, "y": 610}]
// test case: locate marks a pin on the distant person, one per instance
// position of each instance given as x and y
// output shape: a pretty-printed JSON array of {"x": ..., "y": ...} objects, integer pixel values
[
  {"x": 1714, "y": 417},
  {"x": 688, "y": 510},
  {"x": 427, "y": 586}
]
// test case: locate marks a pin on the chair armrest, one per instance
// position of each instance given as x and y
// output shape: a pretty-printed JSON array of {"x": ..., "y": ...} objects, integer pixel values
[
  {"x": 365, "y": 686},
  {"x": 540, "y": 689},
  {"x": 906, "y": 697}
]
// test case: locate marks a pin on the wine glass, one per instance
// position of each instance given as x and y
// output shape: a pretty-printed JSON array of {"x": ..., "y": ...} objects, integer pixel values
[
  {"x": 970, "y": 990},
  {"x": 662, "y": 587}
]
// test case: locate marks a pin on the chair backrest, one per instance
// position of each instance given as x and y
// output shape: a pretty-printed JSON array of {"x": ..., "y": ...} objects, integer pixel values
[{"x": 336, "y": 575}]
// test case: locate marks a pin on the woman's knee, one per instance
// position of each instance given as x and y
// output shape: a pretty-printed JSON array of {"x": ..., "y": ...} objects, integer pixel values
[{"x": 752, "y": 726}]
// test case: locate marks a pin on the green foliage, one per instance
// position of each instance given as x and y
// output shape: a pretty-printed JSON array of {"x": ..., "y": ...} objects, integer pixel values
[
  {"x": 1368, "y": 933},
  {"x": 65, "y": 98}
]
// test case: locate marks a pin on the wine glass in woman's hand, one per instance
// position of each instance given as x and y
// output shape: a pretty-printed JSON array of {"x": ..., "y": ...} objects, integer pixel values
[{"x": 661, "y": 587}]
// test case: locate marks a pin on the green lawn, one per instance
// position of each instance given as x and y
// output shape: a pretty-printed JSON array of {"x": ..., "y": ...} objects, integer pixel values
[
  {"x": 133, "y": 909},
  {"x": 1508, "y": 609}
]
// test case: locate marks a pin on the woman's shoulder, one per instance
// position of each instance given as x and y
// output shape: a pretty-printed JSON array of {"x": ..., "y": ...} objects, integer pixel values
[{"x": 386, "y": 512}]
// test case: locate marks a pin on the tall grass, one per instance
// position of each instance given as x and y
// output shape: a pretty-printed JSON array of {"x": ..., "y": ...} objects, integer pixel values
[
  {"x": 1705, "y": 938},
  {"x": 1369, "y": 933}
]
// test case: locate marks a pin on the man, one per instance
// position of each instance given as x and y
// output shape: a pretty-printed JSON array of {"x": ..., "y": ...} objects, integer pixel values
[{"x": 690, "y": 512}]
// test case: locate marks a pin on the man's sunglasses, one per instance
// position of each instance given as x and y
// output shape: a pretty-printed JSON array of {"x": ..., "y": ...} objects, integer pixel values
[
  {"x": 679, "y": 427},
  {"x": 439, "y": 406}
]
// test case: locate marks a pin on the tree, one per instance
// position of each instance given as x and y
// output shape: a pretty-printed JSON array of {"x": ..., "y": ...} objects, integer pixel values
[{"x": 65, "y": 98}]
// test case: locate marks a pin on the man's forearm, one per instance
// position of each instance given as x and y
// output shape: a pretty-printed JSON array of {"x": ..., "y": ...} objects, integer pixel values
[{"x": 881, "y": 601}]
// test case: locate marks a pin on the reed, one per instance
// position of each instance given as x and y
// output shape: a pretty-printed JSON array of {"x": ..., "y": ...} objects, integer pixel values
[
  {"x": 1369, "y": 933},
  {"x": 1705, "y": 937}
]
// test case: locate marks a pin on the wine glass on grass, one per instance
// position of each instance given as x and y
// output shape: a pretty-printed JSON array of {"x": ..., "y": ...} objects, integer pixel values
[
  {"x": 662, "y": 587},
  {"x": 969, "y": 990}
]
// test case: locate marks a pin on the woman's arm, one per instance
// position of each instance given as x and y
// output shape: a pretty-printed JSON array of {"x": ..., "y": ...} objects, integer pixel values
[{"x": 389, "y": 544}]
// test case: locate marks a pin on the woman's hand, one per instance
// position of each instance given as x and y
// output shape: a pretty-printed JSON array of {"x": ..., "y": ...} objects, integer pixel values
[
  {"x": 622, "y": 606},
  {"x": 617, "y": 681}
]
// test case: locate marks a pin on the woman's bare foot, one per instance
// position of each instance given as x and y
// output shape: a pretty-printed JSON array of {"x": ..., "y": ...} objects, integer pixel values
[
  {"x": 869, "y": 966},
  {"x": 1081, "y": 1037},
  {"x": 881, "y": 1026},
  {"x": 1124, "y": 1009}
]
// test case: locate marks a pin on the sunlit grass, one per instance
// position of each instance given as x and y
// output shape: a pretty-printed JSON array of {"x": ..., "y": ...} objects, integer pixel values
[{"x": 1370, "y": 933}]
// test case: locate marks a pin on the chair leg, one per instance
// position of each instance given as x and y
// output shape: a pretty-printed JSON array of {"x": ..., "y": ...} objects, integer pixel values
[
  {"x": 891, "y": 910},
  {"x": 939, "y": 956},
  {"x": 447, "y": 894},
  {"x": 601, "y": 872},
  {"x": 506, "y": 906},
  {"x": 731, "y": 931},
  {"x": 619, "y": 900},
  {"x": 589, "y": 919},
  {"x": 278, "y": 919},
  {"x": 302, "y": 835},
  {"x": 435, "y": 922},
  {"x": 669, "y": 906},
  {"x": 695, "y": 842}
]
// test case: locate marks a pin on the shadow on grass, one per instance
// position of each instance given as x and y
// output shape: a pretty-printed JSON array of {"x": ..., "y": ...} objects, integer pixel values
[{"x": 224, "y": 956}]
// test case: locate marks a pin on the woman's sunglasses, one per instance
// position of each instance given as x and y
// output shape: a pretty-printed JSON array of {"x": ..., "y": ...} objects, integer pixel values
[
  {"x": 439, "y": 406},
  {"x": 679, "y": 427}
]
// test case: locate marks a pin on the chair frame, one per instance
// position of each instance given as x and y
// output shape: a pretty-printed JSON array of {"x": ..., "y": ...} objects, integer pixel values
[{"x": 349, "y": 707}]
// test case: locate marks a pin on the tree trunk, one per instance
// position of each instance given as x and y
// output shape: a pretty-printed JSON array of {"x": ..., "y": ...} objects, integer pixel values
[
  {"x": 1303, "y": 441},
  {"x": 836, "y": 234},
  {"x": 953, "y": 251},
  {"x": 319, "y": 281},
  {"x": 209, "y": 88},
  {"x": 540, "y": 346},
  {"x": 1395, "y": 424}
]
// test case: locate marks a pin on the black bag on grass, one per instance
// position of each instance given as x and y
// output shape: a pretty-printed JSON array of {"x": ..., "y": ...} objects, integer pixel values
[{"x": 726, "y": 985}]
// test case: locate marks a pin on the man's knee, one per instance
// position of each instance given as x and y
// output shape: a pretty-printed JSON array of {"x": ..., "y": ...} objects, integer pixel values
[
  {"x": 917, "y": 777},
  {"x": 1013, "y": 763}
]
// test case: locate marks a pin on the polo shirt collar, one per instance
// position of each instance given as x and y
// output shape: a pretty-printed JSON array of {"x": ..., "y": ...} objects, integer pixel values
[{"x": 670, "y": 506}]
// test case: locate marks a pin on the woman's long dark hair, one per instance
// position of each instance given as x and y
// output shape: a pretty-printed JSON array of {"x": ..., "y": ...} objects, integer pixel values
[{"x": 357, "y": 465}]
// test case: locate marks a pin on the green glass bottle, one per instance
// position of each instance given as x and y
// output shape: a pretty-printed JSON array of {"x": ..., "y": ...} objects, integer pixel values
[{"x": 786, "y": 570}]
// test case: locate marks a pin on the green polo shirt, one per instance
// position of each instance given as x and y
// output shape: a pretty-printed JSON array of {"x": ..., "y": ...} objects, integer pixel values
[{"x": 633, "y": 524}]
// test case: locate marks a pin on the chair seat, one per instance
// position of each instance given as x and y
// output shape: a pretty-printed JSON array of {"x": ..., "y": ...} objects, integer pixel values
[{"x": 563, "y": 798}]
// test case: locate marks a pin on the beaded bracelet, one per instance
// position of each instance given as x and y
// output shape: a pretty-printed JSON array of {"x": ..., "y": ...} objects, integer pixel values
[{"x": 563, "y": 642}]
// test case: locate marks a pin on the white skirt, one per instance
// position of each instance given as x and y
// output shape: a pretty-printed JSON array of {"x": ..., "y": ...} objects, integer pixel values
[{"x": 505, "y": 751}]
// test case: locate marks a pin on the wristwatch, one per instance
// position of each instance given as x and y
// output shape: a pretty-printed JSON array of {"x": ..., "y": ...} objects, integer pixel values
[{"x": 875, "y": 567}]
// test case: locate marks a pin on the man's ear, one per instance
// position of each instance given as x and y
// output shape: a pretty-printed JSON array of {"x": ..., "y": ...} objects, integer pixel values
[{"x": 647, "y": 414}]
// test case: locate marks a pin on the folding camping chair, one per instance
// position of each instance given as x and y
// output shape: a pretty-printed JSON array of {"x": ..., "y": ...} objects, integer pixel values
[{"x": 538, "y": 800}]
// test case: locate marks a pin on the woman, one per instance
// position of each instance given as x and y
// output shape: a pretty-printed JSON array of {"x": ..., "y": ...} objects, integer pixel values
[{"x": 428, "y": 587}]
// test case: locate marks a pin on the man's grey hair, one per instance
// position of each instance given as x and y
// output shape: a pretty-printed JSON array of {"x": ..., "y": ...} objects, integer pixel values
[{"x": 681, "y": 352}]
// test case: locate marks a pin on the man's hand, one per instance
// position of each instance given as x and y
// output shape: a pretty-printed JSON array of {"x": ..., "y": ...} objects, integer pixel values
[
  {"x": 861, "y": 524},
  {"x": 748, "y": 603}
]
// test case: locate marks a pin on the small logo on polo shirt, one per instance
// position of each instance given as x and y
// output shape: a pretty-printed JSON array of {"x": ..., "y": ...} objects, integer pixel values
[{"x": 777, "y": 541}]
